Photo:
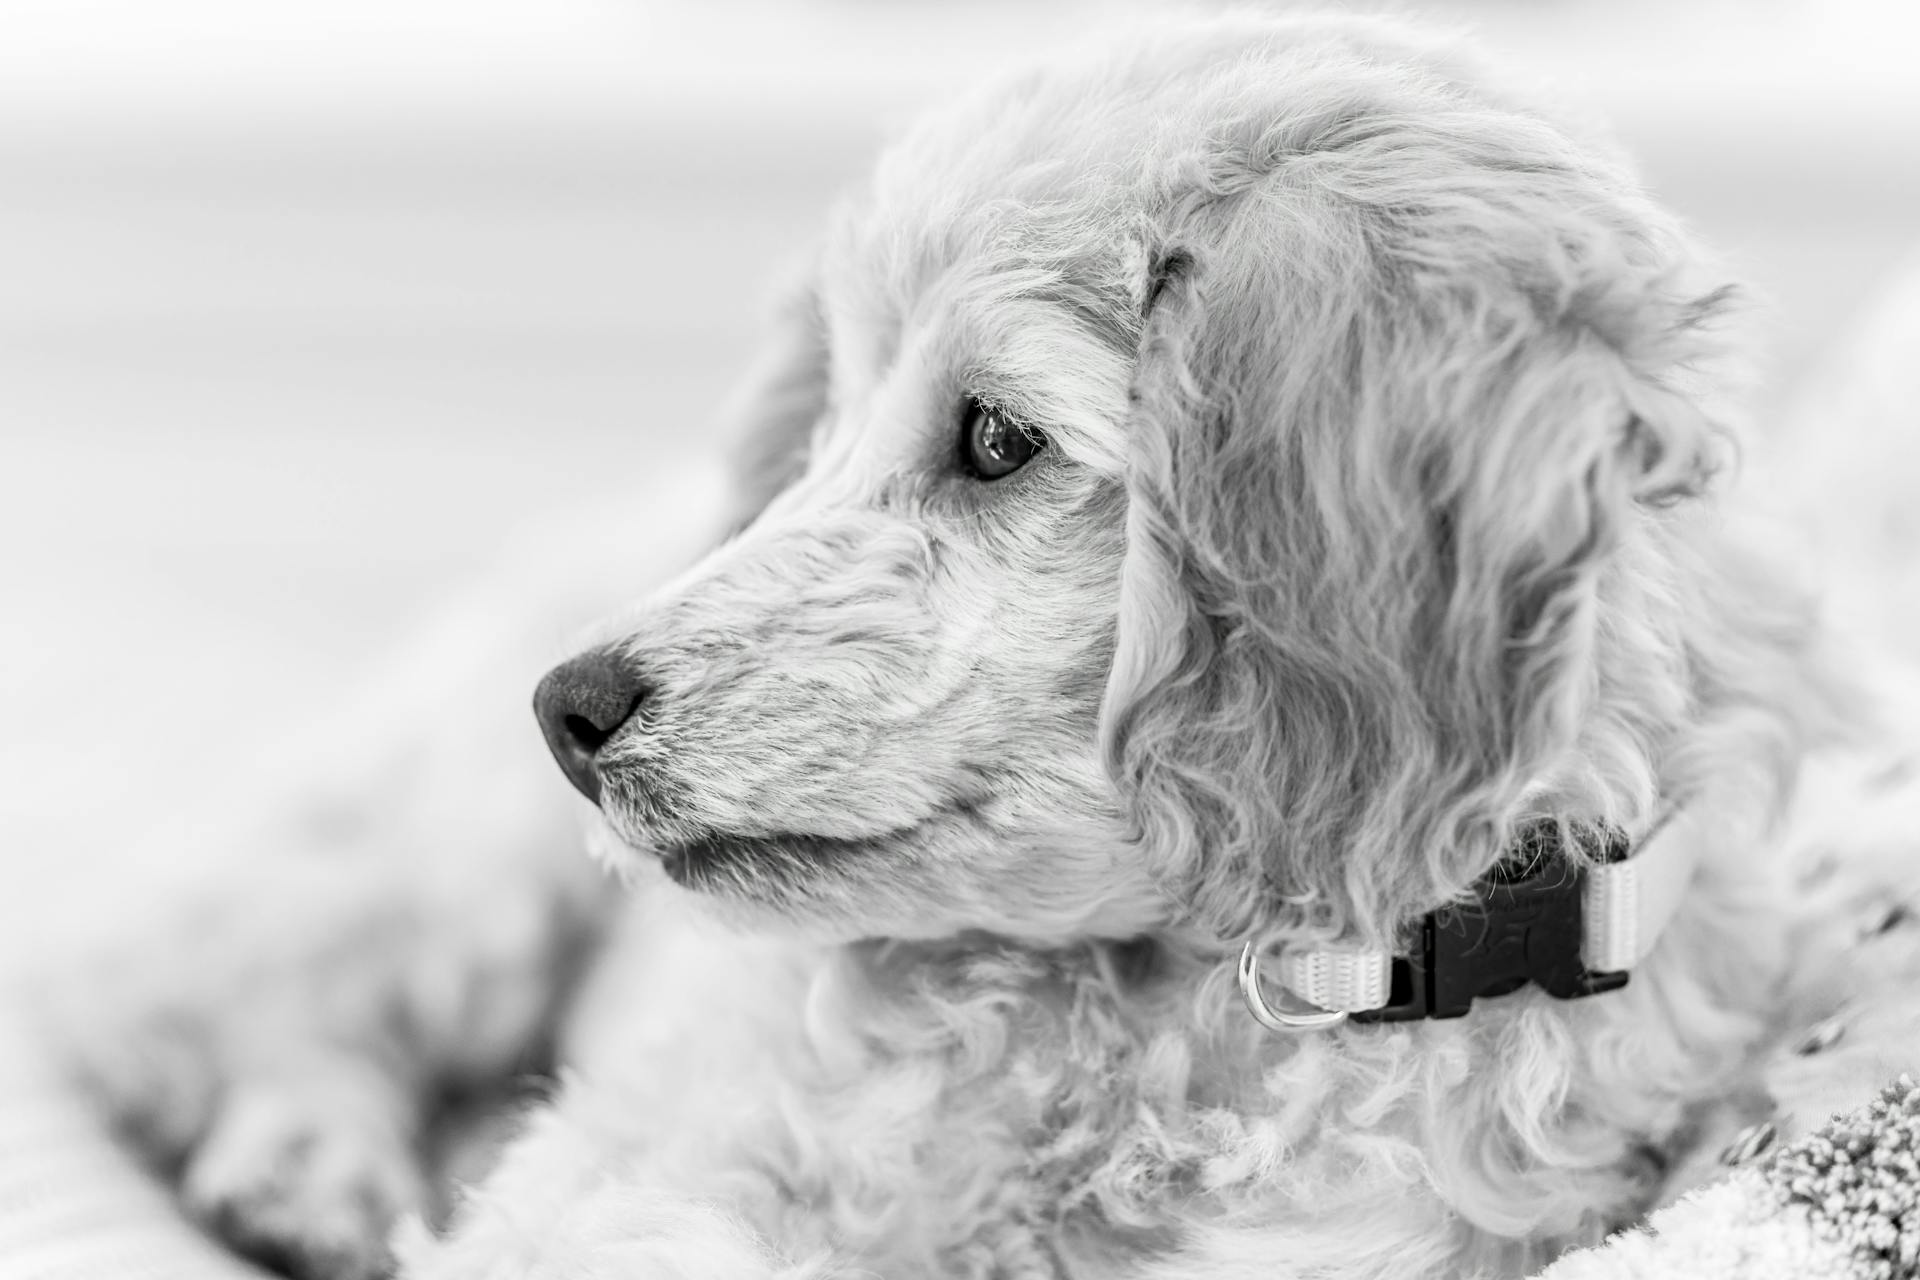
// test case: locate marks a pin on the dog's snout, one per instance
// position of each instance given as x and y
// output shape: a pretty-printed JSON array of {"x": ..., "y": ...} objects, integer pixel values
[{"x": 581, "y": 704}]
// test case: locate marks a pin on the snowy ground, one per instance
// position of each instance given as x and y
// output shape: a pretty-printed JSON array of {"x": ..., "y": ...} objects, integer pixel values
[{"x": 296, "y": 319}]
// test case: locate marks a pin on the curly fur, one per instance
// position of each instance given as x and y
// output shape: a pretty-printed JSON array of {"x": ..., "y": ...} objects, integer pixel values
[
  {"x": 1401, "y": 394},
  {"x": 1379, "y": 517}
]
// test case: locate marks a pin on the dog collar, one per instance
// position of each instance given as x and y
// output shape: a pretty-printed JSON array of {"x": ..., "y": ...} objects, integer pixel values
[{"x": 1572, "y": 927}]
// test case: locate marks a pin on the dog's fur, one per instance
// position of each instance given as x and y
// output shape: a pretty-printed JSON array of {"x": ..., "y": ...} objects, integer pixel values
[{"x": 1378, "y": 516}]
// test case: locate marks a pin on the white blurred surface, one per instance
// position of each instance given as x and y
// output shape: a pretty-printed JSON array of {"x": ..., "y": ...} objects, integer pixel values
[{"x": 301, "y": 306}]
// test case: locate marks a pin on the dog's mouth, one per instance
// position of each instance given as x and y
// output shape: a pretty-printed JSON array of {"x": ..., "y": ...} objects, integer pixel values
[
  {"x": 715, "y": 857},
  {"x": 711, "y": 860}
]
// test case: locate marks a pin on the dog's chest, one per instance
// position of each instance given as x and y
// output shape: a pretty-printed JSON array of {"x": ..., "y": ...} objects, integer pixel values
[
  {"x": 990, "y": 1119},
  {"x": 972, "y": 1127}
]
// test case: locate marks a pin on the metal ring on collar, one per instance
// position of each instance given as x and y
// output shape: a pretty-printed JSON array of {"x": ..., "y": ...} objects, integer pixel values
[{"x": 1307, "y": 1018}]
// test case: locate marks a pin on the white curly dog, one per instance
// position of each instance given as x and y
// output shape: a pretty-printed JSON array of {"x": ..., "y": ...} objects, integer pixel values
[{"x": 1226, "y": 542}]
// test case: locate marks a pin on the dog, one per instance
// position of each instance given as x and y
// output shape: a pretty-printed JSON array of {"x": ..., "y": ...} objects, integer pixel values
[{"x": 1216, "y": 520}]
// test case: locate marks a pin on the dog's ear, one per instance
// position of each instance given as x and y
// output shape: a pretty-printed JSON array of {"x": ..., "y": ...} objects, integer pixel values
[
  {"x": 1383, "y": 479},
  {"x": 768, "y": 421}
]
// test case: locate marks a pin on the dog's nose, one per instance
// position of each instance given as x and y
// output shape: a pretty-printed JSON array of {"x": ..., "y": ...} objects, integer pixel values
[{"x": 581, "y": 704}]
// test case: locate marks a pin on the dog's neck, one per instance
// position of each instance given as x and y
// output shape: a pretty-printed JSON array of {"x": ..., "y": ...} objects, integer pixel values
[
  {"x": 1145, "y": 1037},
  {"x": 1570, "y": 908}
]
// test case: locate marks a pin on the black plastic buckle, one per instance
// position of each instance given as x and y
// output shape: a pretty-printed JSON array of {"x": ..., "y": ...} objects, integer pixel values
[{"x": 1520, "y": 931}]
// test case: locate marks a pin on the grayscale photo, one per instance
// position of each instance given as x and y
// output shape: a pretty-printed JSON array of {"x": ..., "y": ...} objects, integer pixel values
[{"x": 959, "y": 640}]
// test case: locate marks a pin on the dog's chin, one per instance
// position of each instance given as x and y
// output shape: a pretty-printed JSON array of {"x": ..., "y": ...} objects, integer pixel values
[{"x": 610, "y": 850}]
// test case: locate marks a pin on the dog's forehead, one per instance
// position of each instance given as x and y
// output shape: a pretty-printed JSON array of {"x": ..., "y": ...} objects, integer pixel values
[
  {"x": 1074, "y": 169},
  {"x": 1027, "y": 177}
]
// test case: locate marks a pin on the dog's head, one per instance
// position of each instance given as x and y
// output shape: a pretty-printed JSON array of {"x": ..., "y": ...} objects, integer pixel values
[{"x": 1228, "y": 482}]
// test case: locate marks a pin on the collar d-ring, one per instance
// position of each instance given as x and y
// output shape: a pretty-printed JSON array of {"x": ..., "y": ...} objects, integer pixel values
[{"x": 1305, "y": 1018}]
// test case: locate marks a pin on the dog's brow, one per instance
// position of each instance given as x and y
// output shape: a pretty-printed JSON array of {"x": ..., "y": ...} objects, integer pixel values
[
  {"x": 1080, "y": 410},
  {"x": 1111, "y": 320},
  {"x": 1052, "y": 366}
]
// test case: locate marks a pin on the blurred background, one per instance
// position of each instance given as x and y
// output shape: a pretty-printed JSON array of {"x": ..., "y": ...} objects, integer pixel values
[{"x": 302, "y": 306}]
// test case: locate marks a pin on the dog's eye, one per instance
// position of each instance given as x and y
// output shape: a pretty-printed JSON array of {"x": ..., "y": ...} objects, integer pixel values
[{"x": 992, "y": 444}]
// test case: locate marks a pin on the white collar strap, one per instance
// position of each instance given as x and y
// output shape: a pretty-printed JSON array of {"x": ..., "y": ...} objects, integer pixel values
[{"x": 1572, "y": 927}]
